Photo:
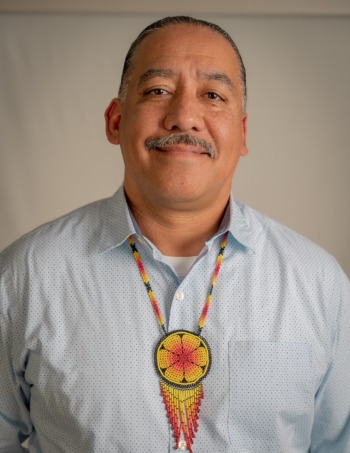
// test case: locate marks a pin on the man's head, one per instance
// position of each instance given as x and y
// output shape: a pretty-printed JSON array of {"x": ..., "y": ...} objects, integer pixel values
[
  {"x": 180, "y": 122},
  {"x": 129, "y": 61}
]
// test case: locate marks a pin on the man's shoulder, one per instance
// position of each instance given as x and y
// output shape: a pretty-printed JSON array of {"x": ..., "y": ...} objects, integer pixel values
[
  {"x": 74, "y": 230},
  {"x": 271, "y": 236}
]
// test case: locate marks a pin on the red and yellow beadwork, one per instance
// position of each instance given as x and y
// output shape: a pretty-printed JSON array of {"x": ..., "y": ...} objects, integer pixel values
[{"x": 182, "y": 361}]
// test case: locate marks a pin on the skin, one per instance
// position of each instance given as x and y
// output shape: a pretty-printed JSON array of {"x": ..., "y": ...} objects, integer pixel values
[{"x": 186, "y": 79}]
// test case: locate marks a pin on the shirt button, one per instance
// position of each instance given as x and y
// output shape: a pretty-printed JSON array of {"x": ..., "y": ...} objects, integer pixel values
[
  {"x": 180, "y": 296},
  {"x": 182, "y": 445}
]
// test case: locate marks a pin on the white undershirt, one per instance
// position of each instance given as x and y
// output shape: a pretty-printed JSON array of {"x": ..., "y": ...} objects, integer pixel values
[{"x": 181, "y": 264}]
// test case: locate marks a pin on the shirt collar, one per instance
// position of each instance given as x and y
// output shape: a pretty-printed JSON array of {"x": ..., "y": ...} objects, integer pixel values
[
  {"x": 118, "y": 223},
  {"x": 238, "y": 225}
]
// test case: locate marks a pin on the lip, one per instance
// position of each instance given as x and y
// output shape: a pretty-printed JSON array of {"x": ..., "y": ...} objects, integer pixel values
[{"x": 183, "y": 149}]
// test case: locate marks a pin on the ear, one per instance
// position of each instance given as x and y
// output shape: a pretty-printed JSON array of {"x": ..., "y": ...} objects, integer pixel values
[
  {"x": 244, "y": 150},
  {"x": 112, "y": 119}
]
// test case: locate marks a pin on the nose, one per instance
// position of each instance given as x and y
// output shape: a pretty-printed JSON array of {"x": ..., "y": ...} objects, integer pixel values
[{"x": 184, "y": 114}]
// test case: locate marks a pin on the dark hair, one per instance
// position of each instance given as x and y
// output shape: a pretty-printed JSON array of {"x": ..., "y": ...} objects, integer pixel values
[{"x": 129, "y": 62}]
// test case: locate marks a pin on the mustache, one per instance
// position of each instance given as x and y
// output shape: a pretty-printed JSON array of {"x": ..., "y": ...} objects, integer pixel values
[{"x": 180, "y": 138}]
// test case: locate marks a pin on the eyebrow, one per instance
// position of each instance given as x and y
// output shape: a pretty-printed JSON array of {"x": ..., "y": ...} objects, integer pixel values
[
  {"x": 220, "y": 77},
  {"x": 152, "y": 73}
]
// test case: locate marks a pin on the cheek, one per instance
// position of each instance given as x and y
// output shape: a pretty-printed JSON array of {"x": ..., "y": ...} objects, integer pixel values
[
  {"x": 226, "y": 132},
  {"x": 137, "y": 125},
  {"x": 228, "y": 139},
  {"x": 131, "y": 125},
  {"x": 142, "y": 123}
]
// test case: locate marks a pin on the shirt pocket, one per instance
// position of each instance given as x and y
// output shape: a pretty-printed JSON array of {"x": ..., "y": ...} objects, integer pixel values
[{"x": 271, "y": 399}]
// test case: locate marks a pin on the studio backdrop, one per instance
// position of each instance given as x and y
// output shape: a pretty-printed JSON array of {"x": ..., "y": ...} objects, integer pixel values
[{"x": 59, "y": 72}]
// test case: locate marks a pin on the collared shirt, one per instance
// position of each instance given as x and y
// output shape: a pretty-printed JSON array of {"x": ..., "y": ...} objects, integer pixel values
[{"x": 78, "y": 332}]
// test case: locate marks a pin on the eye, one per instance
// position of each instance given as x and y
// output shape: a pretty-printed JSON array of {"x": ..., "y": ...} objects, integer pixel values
[
  {"x": 213, "y": 96},
  {"x": 156, "y": 92}
]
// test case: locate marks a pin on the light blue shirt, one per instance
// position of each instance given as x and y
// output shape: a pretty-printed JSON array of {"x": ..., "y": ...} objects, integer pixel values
[{"x": 78, "y": 334}]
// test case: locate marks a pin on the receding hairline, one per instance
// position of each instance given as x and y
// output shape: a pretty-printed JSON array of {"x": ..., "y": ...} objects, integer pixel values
[{"x": 129, "y": 63}]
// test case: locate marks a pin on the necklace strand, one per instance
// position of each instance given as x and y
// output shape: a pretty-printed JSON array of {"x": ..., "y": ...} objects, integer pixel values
[{"x": 152, "y": 296}]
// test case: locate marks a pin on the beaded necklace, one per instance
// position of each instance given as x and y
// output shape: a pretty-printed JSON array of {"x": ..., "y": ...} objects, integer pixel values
[{"x": 182, "y": 360}]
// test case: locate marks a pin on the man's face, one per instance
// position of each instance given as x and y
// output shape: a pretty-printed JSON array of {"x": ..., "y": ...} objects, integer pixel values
[{"x": 186, "y": 79}]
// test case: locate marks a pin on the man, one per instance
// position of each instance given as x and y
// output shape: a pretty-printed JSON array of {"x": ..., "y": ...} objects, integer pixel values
[{"x": 170, "y": 315}]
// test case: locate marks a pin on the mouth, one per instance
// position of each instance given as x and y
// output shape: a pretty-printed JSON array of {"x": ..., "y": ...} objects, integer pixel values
[
  {"x": 183, "y": 149},
  {"x": 181, "y": 143}
]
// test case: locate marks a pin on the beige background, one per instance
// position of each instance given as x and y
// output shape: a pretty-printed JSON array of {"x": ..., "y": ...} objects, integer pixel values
[{"x": 59, "y": 71}]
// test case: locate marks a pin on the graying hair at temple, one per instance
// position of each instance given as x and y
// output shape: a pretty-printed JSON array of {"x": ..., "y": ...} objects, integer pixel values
[{"x": 129, "y": 62}]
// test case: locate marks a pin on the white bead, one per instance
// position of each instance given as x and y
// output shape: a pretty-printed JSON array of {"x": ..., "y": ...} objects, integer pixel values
[{"x": 182, "y": 445}]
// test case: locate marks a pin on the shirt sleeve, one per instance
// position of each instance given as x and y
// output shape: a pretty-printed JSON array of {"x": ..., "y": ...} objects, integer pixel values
[
  {"x": 15, "y": 423},
  {"x": 331, "y": 431}
]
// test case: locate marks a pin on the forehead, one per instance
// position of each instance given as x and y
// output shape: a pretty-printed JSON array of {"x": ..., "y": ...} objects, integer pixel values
[{"x": 183, "y": 44}]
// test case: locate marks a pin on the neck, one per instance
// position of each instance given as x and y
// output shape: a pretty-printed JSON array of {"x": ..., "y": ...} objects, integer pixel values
[{"x": 178, "y": 232}]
